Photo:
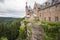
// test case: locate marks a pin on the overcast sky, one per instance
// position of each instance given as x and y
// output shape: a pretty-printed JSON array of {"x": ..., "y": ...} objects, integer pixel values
[{"x": 15, "y": 8}]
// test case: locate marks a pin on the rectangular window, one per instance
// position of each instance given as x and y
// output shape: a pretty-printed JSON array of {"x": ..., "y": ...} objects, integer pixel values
[
  {"x": 38, "y": 9},
  {"x": 49, "y": 18},
  {"x": 40, "y": 14},
  {"x": 28, "y": 10},
  {"x": 45, "y": 19},
  {"x": 56, "y": 18}
]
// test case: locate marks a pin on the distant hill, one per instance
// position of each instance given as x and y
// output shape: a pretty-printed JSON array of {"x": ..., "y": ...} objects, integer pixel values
[{"x": 7, "y": 19}]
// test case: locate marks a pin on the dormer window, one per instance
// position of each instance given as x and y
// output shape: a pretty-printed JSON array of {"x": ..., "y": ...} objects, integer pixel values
[
  {"x": 56, "y": 1},
  {"x": 49, "y": 4},
  {"x": 46, "y": 3},
  {"x": 53, "y": 2}
]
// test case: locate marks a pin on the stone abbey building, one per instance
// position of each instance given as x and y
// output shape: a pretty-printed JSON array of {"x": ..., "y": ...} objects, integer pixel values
[{"x": 48, "y": 11}]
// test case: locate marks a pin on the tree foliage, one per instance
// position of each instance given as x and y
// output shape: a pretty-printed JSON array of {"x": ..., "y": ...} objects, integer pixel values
[
  {"x": 10, "y": 30},
  {"x": 52, "y": 30}
]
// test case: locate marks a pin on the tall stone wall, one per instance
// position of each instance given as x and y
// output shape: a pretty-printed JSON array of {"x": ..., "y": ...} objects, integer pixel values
[
  {"x": 53, "y": 11},
  {"x": 50, "y": 13}
]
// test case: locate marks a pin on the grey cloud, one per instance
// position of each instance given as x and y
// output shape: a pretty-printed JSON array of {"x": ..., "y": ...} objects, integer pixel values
[
  {"x": 15, "y": 11},
  {"x": 2, "y": 1},
  {"x": 3, "y": 11},
  {"x": 10, "y": 11}
]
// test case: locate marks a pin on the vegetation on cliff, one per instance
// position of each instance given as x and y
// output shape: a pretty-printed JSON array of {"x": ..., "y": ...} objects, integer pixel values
[
  {"x": 9, "y": 30},
  {"x": 24, "y": 31},
  {"x": 52, "y": 30}
]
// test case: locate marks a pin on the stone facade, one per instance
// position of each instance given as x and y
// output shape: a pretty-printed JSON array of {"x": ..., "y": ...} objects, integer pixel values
[{"x": 48, "y": 11}]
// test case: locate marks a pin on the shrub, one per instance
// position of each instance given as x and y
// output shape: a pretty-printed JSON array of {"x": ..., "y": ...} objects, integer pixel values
[
  {"x": 3, "y": 38},
  {"x": 51, "y": 29},
  {"x": 11, "y": 31},
  {"x": 22, "y": 33}
]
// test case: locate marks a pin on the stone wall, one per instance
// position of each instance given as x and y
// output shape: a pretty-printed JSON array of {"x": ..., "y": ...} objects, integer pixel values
[{"x": 52, "y": 12}]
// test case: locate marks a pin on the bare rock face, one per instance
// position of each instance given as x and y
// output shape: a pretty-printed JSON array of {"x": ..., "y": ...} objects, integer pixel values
[{"x": 37, "y": 32}]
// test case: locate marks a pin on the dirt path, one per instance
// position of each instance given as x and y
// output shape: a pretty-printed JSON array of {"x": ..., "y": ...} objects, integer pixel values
[{"x": 37, "y": 32}]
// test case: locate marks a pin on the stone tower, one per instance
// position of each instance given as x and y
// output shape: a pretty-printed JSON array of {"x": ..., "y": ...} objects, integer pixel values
[{"x": 27, "y": 9}]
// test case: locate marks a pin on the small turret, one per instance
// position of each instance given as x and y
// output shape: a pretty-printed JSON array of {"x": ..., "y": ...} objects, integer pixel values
[
  {"x": 35, "y": 5},
  {"x": 27, "y": 11},
  {"x": 26, "y": 5}
]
